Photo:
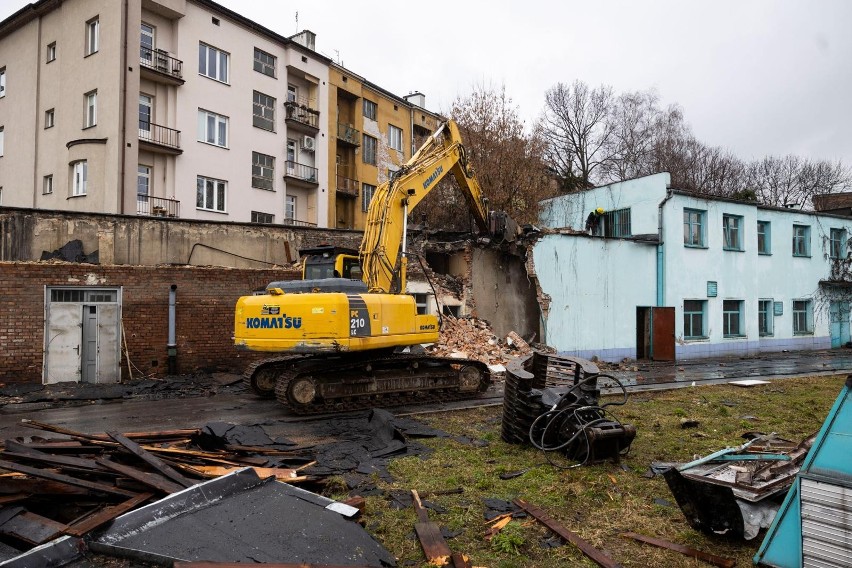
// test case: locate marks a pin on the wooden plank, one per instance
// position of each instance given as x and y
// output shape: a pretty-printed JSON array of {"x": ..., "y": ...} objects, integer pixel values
[
  {"x": 685, "y": 550},
  {"x": 149, "y": 479},
  {"x": 159, "y": 435},
  {"x": 105, "y": 515},
  {"x": 14, "y": 449},
  {"x": 31, "y": 528},
  {"x": 13, "y": 498},
  {"x": 434, "y": 546},
  {"x": 461, "y": 561},
  {"x": 281, "y": 474},
  {"x": 15, "y": 485},
  {"x": 593, "y": 553},
  {"x": 151, "y": 460},
  {"x": 212, "y": 457},
  {"x": 44, "y": 474},
  {"x": 206, "y": 564}
]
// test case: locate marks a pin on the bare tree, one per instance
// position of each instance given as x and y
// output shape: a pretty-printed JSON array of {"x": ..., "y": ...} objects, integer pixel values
[
  {"x": 636, "y": 123},
  {"x": 792, "y": 181},
  {"x": 576, "y": 128}
]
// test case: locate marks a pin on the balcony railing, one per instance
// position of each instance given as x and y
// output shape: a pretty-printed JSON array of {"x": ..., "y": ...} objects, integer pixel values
[
  {"x": 297, "y": 223},
  {"x": 347, "y": 185},
  {"x": 157, "y": 206},
  {"x": 302, "y": 113},
  {"x": 161, "y": 135},
  {"x": 160, "y": 60},
  {"x": 301, "y": 172},
  {"x": 349, "y": 134}
]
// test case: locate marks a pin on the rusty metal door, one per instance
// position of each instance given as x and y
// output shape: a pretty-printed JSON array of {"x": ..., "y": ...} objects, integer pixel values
[{"x": 663, "y": 334}]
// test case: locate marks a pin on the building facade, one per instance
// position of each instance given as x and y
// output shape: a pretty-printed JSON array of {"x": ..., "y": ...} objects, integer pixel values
[
  {"x": 177, "y": 109},
  {"x": 735, "y": 278}
]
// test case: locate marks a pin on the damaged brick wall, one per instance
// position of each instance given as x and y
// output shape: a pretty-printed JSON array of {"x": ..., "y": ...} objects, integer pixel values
[{"x": 204, "y": 314}]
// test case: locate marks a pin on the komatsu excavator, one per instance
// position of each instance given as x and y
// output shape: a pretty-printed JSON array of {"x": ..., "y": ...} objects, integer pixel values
[{"x": 339, "y": 341}]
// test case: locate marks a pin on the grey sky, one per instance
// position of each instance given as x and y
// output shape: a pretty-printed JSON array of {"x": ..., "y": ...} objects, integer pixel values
[{"x": 756, "y": 76}]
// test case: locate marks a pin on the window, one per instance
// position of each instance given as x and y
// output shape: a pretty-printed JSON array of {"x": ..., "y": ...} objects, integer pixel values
[
  {"x": 146, "y": 43},
  {"x": 369, "y": 150},
  {"x": 49, "y": 118},
  {"x": 92, "y": 36},
  {"x": 290, "y": 207},
  {"x": 51, "y": 52},
  {"x": 764, "y": 237},
  {"x": 212, "y": 63},
  {"x": 693, "y": 319},
  {"x": 616, "y": 223},
  {"x": 143, "y": 183},
  {"x": 264, "y": 111},
  {"x": 262, "y": 218},
  {"x": 264, "y": 62},
  {"x": 2, "y": 140},
  {"x": 47, "y": 184},
  {"x": 802, "y": 316},
  {"x": 210, "y": 194},
  {"x": 732, "y": 314},
  {"x": 693, "y": 227},
  {"x": 262, "y": 171},
  {"x": 2, "y": 82},
  {"x": 732, "y": 226},
  {"x": 146, "y": 108},
  {"x": 212, "y": 128},
  {"x": 765, "y": 317},
  {"x": 395, "y": 137},
  {"x": 837, "y": 243},
  {"x": 367, "y": 192},
  {"x": 91, "y": 109},
  {"x": 79, "y": 178},
  {"x": 292, "y": 94},
  {"x": 369, "y": 109},
  {"x": 801, "y": 240},
  {"x": 422, "y": 302}
]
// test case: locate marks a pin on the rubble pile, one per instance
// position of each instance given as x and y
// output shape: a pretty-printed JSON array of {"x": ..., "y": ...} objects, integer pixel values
[{"x": 473, "y": 338}]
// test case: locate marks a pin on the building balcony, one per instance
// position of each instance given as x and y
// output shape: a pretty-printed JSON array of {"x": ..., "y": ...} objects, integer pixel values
[
  {"x": 298, "y": 223},
  {"x": 300, "y": 116},
  {"x": 159, "y": 66},
  {"x": 159, "y": 139},
  {"x": 300, "y": 174},
  {"x": 348, "y": 134},
  {"x": 157, "y": 206},
  {"x": 347, "y": 187}
]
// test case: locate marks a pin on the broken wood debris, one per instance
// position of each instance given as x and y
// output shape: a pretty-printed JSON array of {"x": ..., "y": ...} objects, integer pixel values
[
  {"x": 685, "y": 550},
  {"x": 593, "y": 553},
  {"x": 434, "y": 545}
]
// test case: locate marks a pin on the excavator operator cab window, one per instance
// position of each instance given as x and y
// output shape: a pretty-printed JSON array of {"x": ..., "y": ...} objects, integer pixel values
[
  {"x": 351, "y": 268},
  {"x": 318, "y": 267}
]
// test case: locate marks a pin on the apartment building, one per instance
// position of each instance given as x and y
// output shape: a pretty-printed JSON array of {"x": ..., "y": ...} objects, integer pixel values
[
  {"x": 185, "y": 109},
  {"x": 376, "y": 132},
  {"x": 668, "y": 274}
]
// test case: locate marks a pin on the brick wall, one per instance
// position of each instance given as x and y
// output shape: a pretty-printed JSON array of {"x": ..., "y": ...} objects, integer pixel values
[{"x": 204, "y": 313}]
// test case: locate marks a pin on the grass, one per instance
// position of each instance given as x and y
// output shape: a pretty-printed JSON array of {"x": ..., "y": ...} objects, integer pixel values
[{"x": 597, "y": 502}]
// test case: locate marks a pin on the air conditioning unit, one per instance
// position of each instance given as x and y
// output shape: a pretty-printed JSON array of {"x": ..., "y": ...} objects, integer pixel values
[{"x": 309, "y": 143}]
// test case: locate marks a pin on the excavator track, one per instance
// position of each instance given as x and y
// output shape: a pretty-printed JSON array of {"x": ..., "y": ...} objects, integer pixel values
[
  {"x": 319, "y": 385},
  {"x": 261, "y": 375}
]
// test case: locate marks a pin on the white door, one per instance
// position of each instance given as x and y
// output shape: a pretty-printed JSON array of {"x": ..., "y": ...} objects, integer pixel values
[
  {"x": 63, "y": 343},
  {"x": 109, "y": 343}
]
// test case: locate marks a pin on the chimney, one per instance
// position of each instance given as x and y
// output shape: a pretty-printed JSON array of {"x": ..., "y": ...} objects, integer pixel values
[
  {"x": 306, "y": 38},
  {"x": 417, "y": 99}
]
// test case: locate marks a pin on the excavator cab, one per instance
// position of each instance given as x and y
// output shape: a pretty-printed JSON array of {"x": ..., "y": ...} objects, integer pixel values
[{"x": 327, "y": 261}]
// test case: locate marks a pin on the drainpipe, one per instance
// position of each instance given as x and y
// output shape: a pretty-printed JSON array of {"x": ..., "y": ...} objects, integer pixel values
[
  {"x": 661, "y": 258},
  {"x": 171, "y": 346}
]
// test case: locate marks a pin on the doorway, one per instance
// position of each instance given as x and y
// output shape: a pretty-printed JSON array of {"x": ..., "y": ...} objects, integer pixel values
[
  {"x": 655, "y": 333},
  {"x": 82, "y": 335},
  {"x": 838, "y": 313}
]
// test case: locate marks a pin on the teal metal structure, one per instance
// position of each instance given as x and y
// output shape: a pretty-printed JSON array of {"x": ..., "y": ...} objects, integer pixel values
[{"x": 813, "y": 527}]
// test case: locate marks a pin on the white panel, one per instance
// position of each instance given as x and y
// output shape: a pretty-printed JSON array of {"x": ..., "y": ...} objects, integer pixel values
[
  {"x": 826, "y": 525},
  {"x": 109, "y": 344},
  {"x": 63, "y": 338}
]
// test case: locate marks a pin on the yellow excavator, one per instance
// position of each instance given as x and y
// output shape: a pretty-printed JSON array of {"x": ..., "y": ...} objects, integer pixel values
[{"x": 340, "y": 334}]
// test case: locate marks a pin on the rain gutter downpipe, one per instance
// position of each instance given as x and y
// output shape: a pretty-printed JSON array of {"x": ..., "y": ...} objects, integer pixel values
[
  {"x": 171, "y": 346},
  {"x": 661, "y": 257}
]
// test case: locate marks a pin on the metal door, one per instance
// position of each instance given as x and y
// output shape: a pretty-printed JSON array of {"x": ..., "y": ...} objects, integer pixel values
[
  {"x": 90, "y": 344},
  {"x": 662, "y": 334},
  {"x": 838, "y": 313},
  {"x": 109, "y": 343},
  {"x": 62, "y": 343}
]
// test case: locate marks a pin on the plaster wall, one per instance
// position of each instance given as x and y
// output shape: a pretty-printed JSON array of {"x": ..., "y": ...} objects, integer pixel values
[{"x": 504, "y": 295}]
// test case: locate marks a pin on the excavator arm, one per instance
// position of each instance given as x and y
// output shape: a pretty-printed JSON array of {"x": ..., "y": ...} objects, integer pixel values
[{"x": 382, "y": 250}]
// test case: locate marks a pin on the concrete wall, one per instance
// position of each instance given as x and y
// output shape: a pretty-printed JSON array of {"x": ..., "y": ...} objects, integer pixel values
[
  {"x": 204, "y": 314},
  {"x": 149, "y": 241},
  {"x": 504, "y": 294}
]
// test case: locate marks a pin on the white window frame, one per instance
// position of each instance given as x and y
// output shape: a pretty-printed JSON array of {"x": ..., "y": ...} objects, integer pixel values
[
  {"x": 290, "y": 203},
  {"x": 261, "y": 218},
  {"x": 213, "y": 58},
  {"x": 205, "y": 118},
  {"x": 292, "y": 93},
  {"x": 93, "y": 32},
  {"x": 145, "y": 102},
  {"x": 211, "y": 202},
  {"x": 732, "y": 232},
  {"x": 395, "y": 137},
  {"x": 766, "y": 249},
  {"x": 837, "y": 243},
  {"x": 143, "y": 172},
  {"x": 367, "y": 192},
  {"x": 47, "y": 184},
  {"x": 2, "y": 82},
  {"x": 91, "y": 118},
  {"x": 261, "y": 65},
  {"x": 802, "y": 240},
  {"x": 263, "y": 111},
  {"x": 146, "y": 52},
  {"x": 263, "y": 171},
  {"x": 49, "y": 118},
  {"x": 803, "y": 314},
  {"x": 79, "y": 178},
  {"x": 692, "y": 219},
  {"x": 766, "y": 317},
  {"x": 50, "y": 54}
]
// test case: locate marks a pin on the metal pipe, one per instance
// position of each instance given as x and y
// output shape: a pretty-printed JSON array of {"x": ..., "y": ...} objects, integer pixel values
[
  {"x": 661, "y": 257},
  {"x": 171, "y": 346}
]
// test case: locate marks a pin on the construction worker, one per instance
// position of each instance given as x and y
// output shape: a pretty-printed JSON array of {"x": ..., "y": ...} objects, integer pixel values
[{"x": 594, "y": 219}]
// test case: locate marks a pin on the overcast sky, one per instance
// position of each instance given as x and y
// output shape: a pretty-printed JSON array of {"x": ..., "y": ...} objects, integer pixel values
[{"x": 756, "y": 76}]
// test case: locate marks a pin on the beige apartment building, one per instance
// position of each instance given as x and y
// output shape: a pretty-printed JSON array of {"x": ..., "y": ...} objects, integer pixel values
[{"x": 185, "y": 109}]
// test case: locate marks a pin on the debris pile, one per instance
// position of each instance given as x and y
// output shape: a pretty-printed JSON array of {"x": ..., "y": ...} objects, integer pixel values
[{"x": 472, "y": 338}]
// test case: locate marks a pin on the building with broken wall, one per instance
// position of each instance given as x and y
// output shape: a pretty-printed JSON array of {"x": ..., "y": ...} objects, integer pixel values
[{"x": 663, "y": 273}]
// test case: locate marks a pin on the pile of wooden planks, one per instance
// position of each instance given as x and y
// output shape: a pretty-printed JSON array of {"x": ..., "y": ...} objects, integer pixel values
[{"x": 73, "y": 484}]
